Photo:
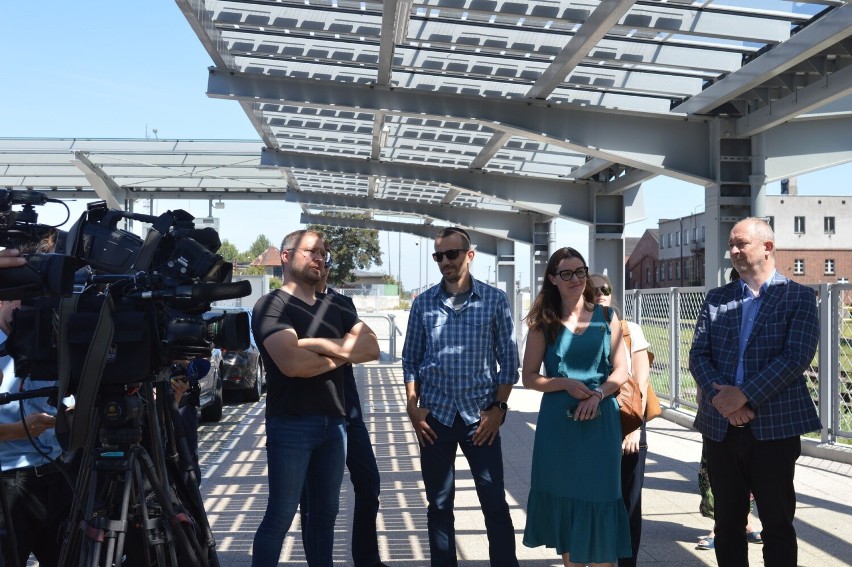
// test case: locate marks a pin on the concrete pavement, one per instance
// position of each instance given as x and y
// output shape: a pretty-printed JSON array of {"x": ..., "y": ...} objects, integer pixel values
[{"x": 233, "y": 460}]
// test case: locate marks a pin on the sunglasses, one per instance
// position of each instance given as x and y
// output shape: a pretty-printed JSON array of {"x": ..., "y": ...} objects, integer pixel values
[
  {"x": 606, "y": 290},
  {"x": 568, "y": 275},
  {"x": 450, "y": 254}
]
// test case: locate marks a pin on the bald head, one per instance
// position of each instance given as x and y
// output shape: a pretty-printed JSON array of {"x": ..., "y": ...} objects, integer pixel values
[{"x": 752, "y": 248}]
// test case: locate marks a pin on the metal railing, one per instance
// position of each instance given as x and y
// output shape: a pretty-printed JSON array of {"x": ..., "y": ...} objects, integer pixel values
[
  {"x": 389, "y": 337},
  {"x": 667, "y": 317}
]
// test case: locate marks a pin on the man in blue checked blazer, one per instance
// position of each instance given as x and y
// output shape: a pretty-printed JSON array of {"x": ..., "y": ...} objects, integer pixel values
[{"x": 753, "y": 341}]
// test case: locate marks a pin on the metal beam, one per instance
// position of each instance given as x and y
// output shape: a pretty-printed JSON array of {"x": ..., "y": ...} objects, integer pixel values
[
  {"x": 104, "y": 186},
  {"x": 666, "y": 145},
  {"x": 490, "y": 149},
  {"x": 543, "y": 196},
  {"x": 829, "y": 143},
  {"x": 606, "y": 14},
  {"x": 395, "y": 17},
  {"x": 624, "y": 183},
  {"x": 485, "y": 243},
  {"x": 834, "y": 86},
  {"x": 814, "y": 38},
  {"x": 590, "y": 168},
  {"x": 511, "y": 226}
]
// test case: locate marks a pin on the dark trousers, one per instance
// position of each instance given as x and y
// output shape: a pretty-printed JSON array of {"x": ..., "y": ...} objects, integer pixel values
[
  {"x": 39, "y": 504},
  {"x": 486, "y": 466},
  {"x": 364, "y": 475},
  {"x": 189, "y": 419},
  {"x": 632, "y": 479},
  {"x": 739, "y": 465}
]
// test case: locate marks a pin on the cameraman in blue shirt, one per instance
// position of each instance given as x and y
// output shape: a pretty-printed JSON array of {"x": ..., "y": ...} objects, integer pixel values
[{"x": 460, "y": 361}]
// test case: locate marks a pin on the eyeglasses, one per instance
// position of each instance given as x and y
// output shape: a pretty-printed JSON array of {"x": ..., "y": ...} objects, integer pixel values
[
  {"x": 606, "y": 290},
  {"x": 325, "y": 256},
  {"x": 450, "y": 254},
  {"x": 568, "y": 275}
]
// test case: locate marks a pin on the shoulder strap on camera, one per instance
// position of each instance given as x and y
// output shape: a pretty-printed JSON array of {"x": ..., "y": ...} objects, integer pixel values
[{"x": 89, "y": 381}]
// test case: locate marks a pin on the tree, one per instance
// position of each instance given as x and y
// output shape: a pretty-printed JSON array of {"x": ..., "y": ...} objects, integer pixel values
[
  {"x": 229, "y": 252},
  {"x": 351, "y": 248},
  {"x": 259, "y": 246}
]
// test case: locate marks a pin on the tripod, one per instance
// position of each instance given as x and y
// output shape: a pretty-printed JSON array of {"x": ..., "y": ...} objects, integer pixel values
[{"x": 134, "y": 504}]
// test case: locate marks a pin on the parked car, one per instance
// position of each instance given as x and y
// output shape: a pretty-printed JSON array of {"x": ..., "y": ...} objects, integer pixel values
[
  {"x": 241, "y": 370},
  {"x": 210, "y": 389}
]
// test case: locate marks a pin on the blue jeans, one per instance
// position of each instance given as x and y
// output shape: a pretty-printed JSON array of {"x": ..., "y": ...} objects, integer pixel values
[
  {"x": 311, "y": 447},
  {"x": 364, "y": 474},
  {"x": 486, "y": 466}
]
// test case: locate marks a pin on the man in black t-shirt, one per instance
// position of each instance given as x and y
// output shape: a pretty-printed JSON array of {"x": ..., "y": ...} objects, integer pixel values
[{"x": 305, "y": 339}]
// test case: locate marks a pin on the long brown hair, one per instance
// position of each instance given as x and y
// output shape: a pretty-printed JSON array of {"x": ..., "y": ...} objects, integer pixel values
[{"x": 546, "y": 311}]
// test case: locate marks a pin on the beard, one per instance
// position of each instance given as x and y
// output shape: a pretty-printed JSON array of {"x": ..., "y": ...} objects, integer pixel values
[{"x": 305, "y": 274}]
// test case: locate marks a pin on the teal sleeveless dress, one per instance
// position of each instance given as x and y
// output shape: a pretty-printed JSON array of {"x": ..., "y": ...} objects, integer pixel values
[{"x": 575, "y": 503}]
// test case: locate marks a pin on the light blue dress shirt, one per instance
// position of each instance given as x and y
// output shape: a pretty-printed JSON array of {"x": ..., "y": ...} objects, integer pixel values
[
  {"x": 751, "y": 307},
  {"x": 22, "y": 453}
]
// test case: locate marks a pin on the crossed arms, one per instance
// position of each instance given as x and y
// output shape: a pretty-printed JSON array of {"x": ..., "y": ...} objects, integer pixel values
[{"x": 309, "y": 357}]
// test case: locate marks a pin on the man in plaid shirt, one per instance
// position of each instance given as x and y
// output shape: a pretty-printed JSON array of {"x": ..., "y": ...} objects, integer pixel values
[
  {"x": 460, "y": 361},
  {"x": 753, "y": 341}
]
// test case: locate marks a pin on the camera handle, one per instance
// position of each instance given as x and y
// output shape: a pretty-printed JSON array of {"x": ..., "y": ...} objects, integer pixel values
[{"x": 10, "y": 397}]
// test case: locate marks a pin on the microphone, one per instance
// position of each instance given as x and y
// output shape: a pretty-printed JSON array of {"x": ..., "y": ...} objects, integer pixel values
[
  {"x": 202, "y": 292},
  {"x": 197, "y": 369}
]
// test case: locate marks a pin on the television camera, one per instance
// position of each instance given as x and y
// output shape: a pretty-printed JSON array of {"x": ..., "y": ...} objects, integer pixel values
[{"x": 107, "y": 315}]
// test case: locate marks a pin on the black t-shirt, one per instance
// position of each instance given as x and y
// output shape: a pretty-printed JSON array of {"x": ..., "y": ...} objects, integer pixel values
[{"x": 324, "y": 319}]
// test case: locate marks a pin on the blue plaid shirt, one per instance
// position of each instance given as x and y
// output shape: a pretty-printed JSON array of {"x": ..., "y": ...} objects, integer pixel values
[{"x": 459, "y": 358}]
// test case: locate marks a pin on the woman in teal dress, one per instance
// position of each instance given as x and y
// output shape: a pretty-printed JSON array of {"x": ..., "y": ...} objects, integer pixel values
[{"x": 575, "y": 503}]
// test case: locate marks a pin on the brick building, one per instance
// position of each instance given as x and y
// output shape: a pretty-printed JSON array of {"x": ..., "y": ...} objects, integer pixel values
[
  {"x": 812, "y": 241},
  {"x": 641, "y": 265}
]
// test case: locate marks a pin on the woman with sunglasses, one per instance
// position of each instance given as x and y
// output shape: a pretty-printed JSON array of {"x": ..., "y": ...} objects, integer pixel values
[
  {"x": 634, "y": 447},
  {"x": 575, "y": 503}
]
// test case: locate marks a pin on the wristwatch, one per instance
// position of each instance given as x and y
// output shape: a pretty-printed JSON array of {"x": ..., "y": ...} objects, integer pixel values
[
  {"x": 502, "y": 405},
  {"x": 599, "y": 391}
]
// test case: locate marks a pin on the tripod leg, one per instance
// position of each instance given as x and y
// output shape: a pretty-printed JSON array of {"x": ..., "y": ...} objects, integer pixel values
[
  {"x": 71, "y": 556},
  {"x": 192, "y": 555},
  {"x": 185, "y": 482}
]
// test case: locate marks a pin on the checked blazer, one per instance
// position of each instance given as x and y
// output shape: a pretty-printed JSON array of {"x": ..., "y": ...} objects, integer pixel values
[{"x": 780, "y": 348}]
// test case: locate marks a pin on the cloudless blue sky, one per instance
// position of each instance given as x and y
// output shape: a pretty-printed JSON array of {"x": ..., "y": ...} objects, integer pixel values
[{"x": 115, "y": 69}]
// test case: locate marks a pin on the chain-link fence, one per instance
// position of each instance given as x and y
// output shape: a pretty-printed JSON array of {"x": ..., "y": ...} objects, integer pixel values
[{"x": 667, "y": 317}]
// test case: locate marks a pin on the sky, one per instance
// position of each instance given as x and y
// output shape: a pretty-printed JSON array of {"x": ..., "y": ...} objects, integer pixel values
[{"x": 108, "y": 69}]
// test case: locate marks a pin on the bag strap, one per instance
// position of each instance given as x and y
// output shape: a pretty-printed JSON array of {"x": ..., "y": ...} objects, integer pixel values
[{"x": 625, "y": 332}]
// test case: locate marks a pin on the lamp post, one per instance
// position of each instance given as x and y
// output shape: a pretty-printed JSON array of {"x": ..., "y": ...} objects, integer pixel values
[{"x": 426, "y": 261}]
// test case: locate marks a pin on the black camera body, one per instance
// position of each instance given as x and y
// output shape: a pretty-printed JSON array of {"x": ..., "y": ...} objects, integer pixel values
[{"x": 155, "y": 289}]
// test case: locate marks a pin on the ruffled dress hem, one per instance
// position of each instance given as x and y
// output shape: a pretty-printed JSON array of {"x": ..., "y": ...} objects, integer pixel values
[{"x": 583, "y": 529}]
